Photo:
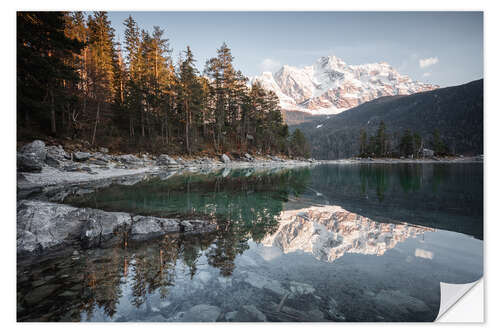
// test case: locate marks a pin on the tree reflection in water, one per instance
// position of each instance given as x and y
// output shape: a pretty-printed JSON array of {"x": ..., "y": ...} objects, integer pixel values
[{"x": 244, "y": 204}]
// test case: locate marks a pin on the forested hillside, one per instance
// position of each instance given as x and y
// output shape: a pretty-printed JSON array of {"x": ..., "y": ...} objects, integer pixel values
[
  {"x": 75, "y": 81},
  {"x": 449, "y": 120}
]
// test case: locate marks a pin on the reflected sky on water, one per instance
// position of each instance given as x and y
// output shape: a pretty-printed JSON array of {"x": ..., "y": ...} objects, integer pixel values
[{"x": 330, "y": 243}]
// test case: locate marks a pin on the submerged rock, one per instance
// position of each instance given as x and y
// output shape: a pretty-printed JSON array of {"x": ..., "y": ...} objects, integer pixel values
[
  {"x": 299, "y": 289},
  {"x": 396, "y": 301},
  {"x": 249, "y": 313},
  {"x": 202, "y": 313},
  {"x": 262, "y": 282}
]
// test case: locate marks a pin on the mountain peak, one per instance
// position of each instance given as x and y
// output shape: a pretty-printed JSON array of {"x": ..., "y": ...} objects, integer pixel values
[{"x": 331, "y": 86}]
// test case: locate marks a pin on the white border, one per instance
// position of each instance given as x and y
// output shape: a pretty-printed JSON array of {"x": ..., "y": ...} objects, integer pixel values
[{"x": 8, "y": 141}]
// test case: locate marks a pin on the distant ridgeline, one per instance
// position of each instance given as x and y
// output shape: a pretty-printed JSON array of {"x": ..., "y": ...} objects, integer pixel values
[
  {"x": 76, "y": 82},
  {"x": 449, "y": 120}
]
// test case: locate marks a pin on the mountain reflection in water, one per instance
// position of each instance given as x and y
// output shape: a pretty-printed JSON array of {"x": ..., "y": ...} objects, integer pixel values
[
  {"x": 307, "y": 244},
  {"x": 328, "y": 232}
]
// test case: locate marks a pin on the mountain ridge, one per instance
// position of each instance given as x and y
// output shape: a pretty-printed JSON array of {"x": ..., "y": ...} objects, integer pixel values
[
  {"x": 456, "y": 112},
  {"x": 331, "y": 86}
]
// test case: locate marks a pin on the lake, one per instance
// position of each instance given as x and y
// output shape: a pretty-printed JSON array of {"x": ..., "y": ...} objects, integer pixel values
[{"x": 362, "y": 242}]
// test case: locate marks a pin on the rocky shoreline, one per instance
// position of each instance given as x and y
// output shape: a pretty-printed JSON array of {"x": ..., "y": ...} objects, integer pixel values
[{"x": 47, "y": 174}]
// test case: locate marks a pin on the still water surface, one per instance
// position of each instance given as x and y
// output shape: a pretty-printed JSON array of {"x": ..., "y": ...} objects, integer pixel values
[{"x": 329, "y": 243}]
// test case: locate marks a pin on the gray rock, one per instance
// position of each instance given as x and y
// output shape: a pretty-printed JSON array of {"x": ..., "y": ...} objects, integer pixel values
[
  {"x": 144, "y": 227},
  {"x": 262, "y": 282},
  {"x": 299, "y": 288},
  {"x": 129, "y": 159},
  {"x": 249, "y": 313},
  {"x": 155, "y": 318},
  {"x": 52, "y": 161},
  {"x": 229, "y": 316},
  {"x": 72, "y": 167},
  {"x": 333, "y": 310},
  {"x": 316, "y": 315},
  {"x": 102, "y": 157},
  {"x": 28, "y": 163},
  {"x": 58, "y": 153},
  {"x": 99, "y": 227},
  {"x": 36, "y": 148},
  {"x": 80, "y": 156},
  {"x": 202, "y": 313},
  {"x": 165, "y": 160},
  {"x": 31, "y": 157},
  {"x": 396, "y": 301},
  {"x": 41, "y": 225},
  {"x": 224, "y": 158},
  {"x": 104, "y": 150},
  {"x": 98, "y": 162},
  {"x": 56, "y": 156}
]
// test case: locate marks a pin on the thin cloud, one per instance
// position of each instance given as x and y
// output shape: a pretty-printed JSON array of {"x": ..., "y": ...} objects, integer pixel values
[
  {"x": 426, "y": 74},
  {"x": 269, "y": 65},
  {"x": 428, "y": 62}
]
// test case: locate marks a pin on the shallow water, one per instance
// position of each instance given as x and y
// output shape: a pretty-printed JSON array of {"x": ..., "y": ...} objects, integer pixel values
[{"x": 329, "y": 243}]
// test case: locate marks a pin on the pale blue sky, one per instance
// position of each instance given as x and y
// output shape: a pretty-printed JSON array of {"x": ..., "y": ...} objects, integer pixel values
[{"x": 444, "y": 48}]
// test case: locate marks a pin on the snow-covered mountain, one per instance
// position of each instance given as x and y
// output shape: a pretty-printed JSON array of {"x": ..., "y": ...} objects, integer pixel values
[{"x": 331, "y": 86}]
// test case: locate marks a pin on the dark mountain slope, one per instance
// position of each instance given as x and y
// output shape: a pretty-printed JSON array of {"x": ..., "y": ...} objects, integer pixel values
[{"x": 456, "y": 112}]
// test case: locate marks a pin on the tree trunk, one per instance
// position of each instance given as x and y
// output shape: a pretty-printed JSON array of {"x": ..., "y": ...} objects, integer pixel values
[
  {"x": 96, "y": 121},
  {"x": 186, "y": 105},
  {"x": 52, "y": 113}
]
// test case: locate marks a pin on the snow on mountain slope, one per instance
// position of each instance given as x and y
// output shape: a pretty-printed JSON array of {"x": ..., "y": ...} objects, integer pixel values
[{"x": 331, "y": 86}]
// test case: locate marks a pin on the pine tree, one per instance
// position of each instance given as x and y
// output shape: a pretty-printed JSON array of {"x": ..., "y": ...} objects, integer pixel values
[
  {"x": 381, "y": 147},
  {"x": 363, "y": 143},
  {"x": 102, "y": 64},
  {"x": 188, "y": 90},
  {"x": 44, "y": 55},
  {"x": 406, "y": 145}
]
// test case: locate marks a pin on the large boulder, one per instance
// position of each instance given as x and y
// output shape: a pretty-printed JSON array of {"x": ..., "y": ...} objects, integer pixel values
[
  {"x": 36, "y": 148},
  {"x": 81, "y": 156},
  {"x": 42, "y": 225},
  {"x": 31, "y": 157},
  {"x": 224, "y": 158},
  {"x": 46, "y": 225},
  {"x": 28, "y": 163}
]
